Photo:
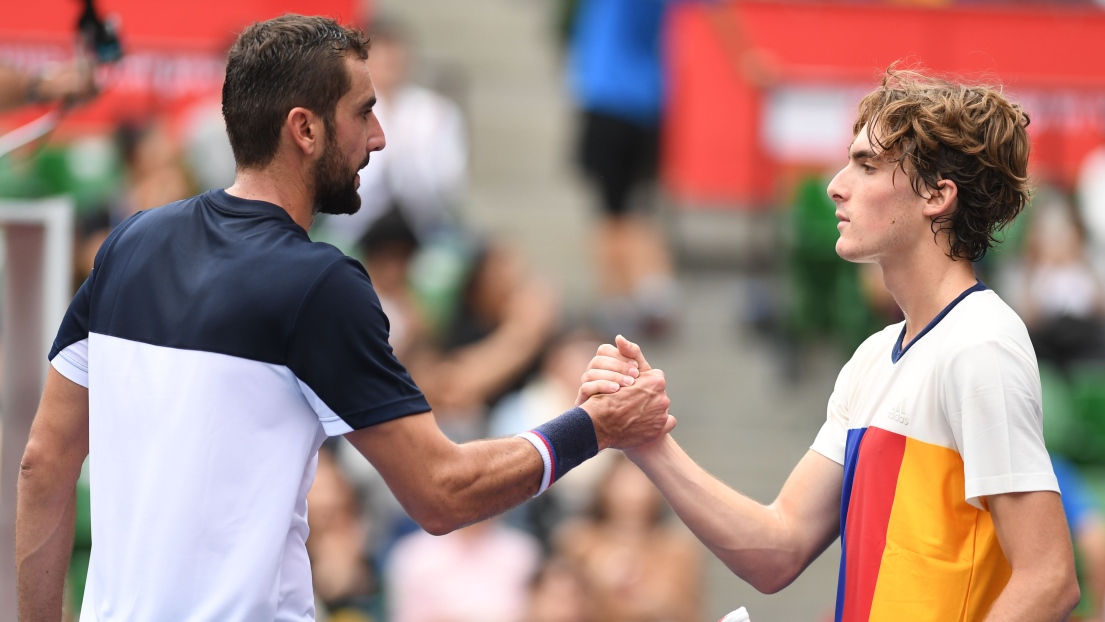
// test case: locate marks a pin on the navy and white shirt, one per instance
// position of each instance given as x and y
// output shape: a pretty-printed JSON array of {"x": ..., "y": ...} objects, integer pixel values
[{"x": 219, "y": 346}]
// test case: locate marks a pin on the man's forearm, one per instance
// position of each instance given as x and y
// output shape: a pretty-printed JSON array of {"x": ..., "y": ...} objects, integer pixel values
[
  {"x": 485, "y": 479},
  {"x": 45, "y": 518},
  {"x": 1035, "y": 597}
]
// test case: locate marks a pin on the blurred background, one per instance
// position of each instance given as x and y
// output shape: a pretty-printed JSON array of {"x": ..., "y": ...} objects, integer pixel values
[{"x": 557, "y": 172}]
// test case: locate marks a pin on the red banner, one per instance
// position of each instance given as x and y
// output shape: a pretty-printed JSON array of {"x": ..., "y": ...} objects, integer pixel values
[
  {"x": 759, "y": 88},
  {"x": 174, "y": 49}
]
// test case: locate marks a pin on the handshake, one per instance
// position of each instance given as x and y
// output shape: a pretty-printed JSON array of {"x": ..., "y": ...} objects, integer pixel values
[{"x": 626, "y": 399}]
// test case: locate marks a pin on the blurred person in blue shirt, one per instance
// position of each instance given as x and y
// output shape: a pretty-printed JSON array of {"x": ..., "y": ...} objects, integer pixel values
[
  {"x": 1087, "y": 528},
  {"x": 617, "y": 78}
]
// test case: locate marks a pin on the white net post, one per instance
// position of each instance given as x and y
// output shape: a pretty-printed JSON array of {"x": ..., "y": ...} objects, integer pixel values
[{"x": 37, "y": 281}]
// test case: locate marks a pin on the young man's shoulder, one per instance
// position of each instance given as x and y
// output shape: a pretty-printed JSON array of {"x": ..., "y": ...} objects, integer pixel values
[
  {"x": 987, "y": 333},
  {"x": 983, "y": 317}
]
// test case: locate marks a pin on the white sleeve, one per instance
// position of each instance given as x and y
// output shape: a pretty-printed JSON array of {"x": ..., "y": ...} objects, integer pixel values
[
  {"x": 993, "y": 400},
  {"x": 72, "y": 362},
  {"x": 832, "y": 440}
]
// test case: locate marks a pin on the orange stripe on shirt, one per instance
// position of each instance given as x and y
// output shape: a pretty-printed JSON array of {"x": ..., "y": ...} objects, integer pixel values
[{"x": 941, "y": 560}]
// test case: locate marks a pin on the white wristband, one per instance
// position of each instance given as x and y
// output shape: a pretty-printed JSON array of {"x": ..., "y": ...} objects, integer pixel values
[{"x": 546, "y": 457}]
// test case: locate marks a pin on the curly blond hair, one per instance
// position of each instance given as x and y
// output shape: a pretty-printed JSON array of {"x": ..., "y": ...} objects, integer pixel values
[{"x": 972, "y": 135}]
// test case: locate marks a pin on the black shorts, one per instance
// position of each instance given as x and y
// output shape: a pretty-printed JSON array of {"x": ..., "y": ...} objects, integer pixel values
[{"x": 617, "y": 155}]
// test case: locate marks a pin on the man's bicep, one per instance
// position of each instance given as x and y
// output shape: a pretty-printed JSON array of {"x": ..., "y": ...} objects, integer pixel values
[
  {"x": 60, "y": 427},
  {"x": 1031, "y": 528},
  {"x": 404, "y": 451}
]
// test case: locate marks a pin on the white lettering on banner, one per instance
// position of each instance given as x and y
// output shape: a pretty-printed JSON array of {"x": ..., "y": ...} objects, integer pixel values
[
  {"x": 170, "y": 74},
  {"x": 1064, "y": 110},
  {"x": 813, "y": 123}
]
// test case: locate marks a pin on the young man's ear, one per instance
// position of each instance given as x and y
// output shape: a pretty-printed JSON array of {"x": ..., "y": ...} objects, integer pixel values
[
  {"x": 304, "y": 128},
  {"x": 942, "y": 200}
]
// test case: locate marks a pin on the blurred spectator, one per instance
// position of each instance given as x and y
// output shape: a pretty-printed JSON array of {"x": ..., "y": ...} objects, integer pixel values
[
  {"x": 495, "y": 325},
  {"x": 504, "y": 316},
  {"x": 206, "y": 147},
  {"x": 69, "y": 82},
  {"x": 91, "y": 230},
  {"x": 1063, "y": 302},
  {"x": 344, "y": 579},
  {"x": 387, "y": 250},
  {"x": 1087, "y": 528},
  {"x": 618, "y": 84},
  {"x": 154, "y": 170},
  {"x": 475, "y": 574},
  {"x": 424, "y": 168},
  {"x": 553, "y": 389},
  {"x": 153, "y": 175},
  {"x": 559, "y": 594},
  {"x": 638, "y": 567},
  {"x": 1091, "y": 203}
]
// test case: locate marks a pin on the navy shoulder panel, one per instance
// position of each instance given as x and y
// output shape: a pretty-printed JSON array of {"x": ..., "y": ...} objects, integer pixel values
[
  {"x": 213, "y": 273},
  {"x": 339, "y": 348}
]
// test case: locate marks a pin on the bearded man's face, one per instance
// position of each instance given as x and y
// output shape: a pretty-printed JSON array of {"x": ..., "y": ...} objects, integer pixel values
[{"x": 336, "y": 181}]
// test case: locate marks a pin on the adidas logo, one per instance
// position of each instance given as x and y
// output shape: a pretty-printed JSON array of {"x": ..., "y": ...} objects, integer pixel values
[{"x": 897, "y": 415}]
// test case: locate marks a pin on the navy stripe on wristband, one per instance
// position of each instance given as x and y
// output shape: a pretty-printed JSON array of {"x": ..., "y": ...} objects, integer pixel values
[{"x": 564, "y": 443}]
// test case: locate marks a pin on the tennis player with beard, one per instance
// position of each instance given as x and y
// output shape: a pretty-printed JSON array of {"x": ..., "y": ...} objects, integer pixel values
[{"x": 215, "y": 346}]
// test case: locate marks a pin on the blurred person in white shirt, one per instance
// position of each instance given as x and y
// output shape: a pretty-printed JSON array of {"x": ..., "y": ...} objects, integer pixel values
[{"x": 425, "y": 167}]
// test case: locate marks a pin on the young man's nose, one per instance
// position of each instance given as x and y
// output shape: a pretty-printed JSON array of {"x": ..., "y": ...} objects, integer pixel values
[{"x": 836, "y": 190}]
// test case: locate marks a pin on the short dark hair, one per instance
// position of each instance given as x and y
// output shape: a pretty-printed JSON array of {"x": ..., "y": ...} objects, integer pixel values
[
  {"x": 970, "y": 134},
  {"x": 277, "y": 65}
]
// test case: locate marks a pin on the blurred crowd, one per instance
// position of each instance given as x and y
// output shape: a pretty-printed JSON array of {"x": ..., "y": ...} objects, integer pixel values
[
  {"x": 487, "y": 340},
  {"x": 482, "y": 333}
]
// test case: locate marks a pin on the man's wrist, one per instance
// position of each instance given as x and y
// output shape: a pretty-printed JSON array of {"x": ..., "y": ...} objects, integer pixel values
[
  {"x": 602, "y": 439},
  {"x": 564, "y": 443},
  {"x": 650, "y": 452}
]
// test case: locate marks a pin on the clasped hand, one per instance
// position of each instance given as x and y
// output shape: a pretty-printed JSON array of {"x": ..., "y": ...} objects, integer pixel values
[{"x": 626, "y": 398}]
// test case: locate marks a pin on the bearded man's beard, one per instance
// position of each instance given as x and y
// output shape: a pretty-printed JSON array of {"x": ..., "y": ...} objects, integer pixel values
[{"x": 335, "y": 192}]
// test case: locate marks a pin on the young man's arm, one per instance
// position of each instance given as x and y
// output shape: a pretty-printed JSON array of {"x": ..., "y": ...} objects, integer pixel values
[
  {"x": 45, "y": 513},
  {"x": 767, "y": 546},
  {"x": 444, "y": 486},
  {"x": 1033, "y": 535}
]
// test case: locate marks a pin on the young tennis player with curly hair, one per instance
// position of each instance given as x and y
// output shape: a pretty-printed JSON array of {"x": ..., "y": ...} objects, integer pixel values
[{"x": 931, "y": 465}]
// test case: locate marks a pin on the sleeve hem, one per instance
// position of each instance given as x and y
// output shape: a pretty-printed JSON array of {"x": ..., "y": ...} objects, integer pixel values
[
  {"x": 829, "y": 452},
  {"x": 1004, "y": 484},
  {"x": 335, "y": 424},
  {"x": 414, "y": 405},
  {"x": 70, "y": 370}
]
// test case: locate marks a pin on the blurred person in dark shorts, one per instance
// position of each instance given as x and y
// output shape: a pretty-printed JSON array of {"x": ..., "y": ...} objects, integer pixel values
[{"x": 617, "y": 78}]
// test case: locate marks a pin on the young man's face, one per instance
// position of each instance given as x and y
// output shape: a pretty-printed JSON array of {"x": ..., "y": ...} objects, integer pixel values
[
  {"x": 354, "y": 134},
  {"x": 880, "y": 215}
]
